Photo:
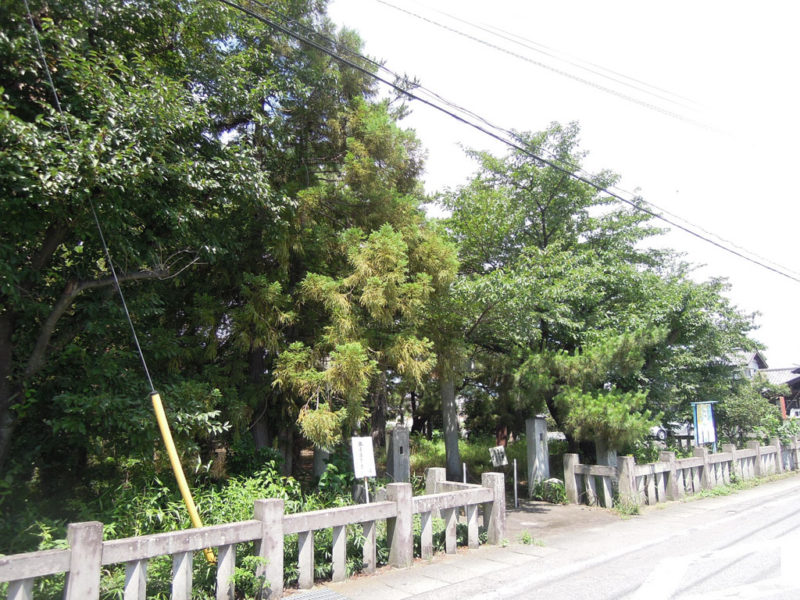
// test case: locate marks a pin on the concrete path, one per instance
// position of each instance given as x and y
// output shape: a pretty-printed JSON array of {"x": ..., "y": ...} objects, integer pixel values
[{"x": 565, "y": 541}]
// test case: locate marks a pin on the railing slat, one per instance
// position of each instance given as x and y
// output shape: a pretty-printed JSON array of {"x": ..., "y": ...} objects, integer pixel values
[
  {"x": 20, "y": 590},
  {"x": 370, "y": 549},
  {"x": 226, "y": 565},
  {"x": 339, "y": 553},
  {"x": 136, "y": 580},
  {"x": 449, "y": 515},
  {"x": 305, "y": 559},
  {"x": 182, "y": 576},
  {"x": 472, "y": 526}
]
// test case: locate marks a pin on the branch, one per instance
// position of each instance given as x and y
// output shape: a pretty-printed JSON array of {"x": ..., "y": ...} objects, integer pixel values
[{"x": 71, "y": 291}]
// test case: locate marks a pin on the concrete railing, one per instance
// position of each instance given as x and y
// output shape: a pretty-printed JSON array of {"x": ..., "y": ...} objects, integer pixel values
[
  {"x": 672, "y": 478},
  {"x": 88, "y": 553}
]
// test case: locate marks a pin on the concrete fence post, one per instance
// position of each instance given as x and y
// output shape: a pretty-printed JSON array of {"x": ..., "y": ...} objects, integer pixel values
[
  {"x": 672, "y": 474},
  {"x": 778, "y": 454},
  {"x": 86, "y": 545},
  {"x": 494, "y": 513},
  {"x": 400, "y": 529},
  {"x": 433, "y": 476},
  {"x": 628, "y": 491},
  {"x": 270, "y": 546},
  {"x": 796, "y": 453},
  {"x": 734, "y": 471},
  {"x": 706, "y": 480},
  {"x": 570, "y": 481},
  {"x": 756, "y": 445}
]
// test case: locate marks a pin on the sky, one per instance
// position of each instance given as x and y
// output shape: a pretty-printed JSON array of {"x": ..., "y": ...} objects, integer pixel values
[{"x": 698, "y": 114}]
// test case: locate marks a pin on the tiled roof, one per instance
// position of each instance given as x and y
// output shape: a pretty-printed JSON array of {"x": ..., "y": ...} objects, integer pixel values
[{"x": 778, "y": 376}]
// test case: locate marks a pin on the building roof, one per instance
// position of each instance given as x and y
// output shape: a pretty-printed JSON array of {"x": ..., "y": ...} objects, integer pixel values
[{"x": 778, "y": 376}]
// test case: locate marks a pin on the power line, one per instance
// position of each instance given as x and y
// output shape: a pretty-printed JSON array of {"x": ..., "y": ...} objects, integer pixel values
[
  {"x": 637, "y": 203},
  {"x": 555, "y": 70}
]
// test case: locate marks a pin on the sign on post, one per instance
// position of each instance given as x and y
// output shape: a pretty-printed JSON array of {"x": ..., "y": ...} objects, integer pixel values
[
  {"x": 363, "y": 460},
  {"x": 498, "y": 454},
  {"x": 705, "y": 431}
]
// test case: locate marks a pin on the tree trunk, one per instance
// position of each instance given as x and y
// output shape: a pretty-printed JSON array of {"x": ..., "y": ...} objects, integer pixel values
[
  {"x": 450, "y": 419},
  {"x": 379, "y": 407},
  {"x": 501, "y": 435},
  {"x": 7, "y": 420}
]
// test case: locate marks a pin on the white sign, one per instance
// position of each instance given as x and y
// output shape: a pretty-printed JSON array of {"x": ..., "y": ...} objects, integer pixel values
[
  {"x": 498, "y": 454},
  {"x": 363, "y": 457}
]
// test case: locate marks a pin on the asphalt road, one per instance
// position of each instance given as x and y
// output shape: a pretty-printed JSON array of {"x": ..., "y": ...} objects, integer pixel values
[{"x": 746, "y": 545}]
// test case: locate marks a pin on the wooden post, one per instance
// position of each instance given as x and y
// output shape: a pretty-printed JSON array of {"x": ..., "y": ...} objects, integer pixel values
[
  {"x": 270, "y": 547},
  {"x": 86, "y": 543},
  {"x": 796, "y": 453},
  {"x": 400, "y": 529},
  {"x": 494, "y": 513},
  {"x": 570, "y": 482}
]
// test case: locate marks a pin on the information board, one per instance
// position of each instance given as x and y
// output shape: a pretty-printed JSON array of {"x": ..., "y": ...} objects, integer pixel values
[{"x": 363, "y": 457}]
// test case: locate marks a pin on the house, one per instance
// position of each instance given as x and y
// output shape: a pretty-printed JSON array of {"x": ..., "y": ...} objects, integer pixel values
[{"x": 790, "y": 377}]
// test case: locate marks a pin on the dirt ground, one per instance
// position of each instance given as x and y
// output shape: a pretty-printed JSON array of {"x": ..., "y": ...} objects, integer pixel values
[{"x": 544, "y": 521}]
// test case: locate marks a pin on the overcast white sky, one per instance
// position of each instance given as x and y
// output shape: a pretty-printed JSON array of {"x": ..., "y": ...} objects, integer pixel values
[{"x": 733, "y": 64}]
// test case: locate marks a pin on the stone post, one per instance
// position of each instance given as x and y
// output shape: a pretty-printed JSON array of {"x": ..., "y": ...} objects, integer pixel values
[
  {"x": 756, "y": 445},
  {"x": 778, "y": 454},
  {"x": 433, "y": 476},
  {"x": 672, "y": 474},
  {"x": 494, "y": 513},
  {"x": 734, "y": 471},
  {"x": 86, "y": 545},
  {"x": 628, "y": 492},
  {"x": 538, "y": 454},
  {"x": 605, "y": 455},
  {"x": 796, "y": 452},
  {"x": 270, "y": 546},
  {"x": 570, "y": 481},
  {"x": 398, "y": 462},
  {"x": 400, "y": 529},
  {"x": 706, "y": 482}
]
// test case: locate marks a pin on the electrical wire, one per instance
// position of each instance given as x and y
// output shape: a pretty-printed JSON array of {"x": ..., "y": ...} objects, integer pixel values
[
  {"x": 637, "y": 203},
  {"x": 588, "y": 66},
  {"x": 555, "y": 70}
]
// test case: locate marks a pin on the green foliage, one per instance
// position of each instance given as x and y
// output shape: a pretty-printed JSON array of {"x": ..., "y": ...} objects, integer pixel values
[
  {"x": 550, "y": 490},
  {"x": 746, "y": 410}
]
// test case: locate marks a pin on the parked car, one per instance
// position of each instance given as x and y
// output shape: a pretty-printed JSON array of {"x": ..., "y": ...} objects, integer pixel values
[{"x": 675, "y": 429}]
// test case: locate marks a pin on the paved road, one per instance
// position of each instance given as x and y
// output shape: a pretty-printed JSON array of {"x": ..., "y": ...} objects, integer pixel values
[{"x": 746, "y": 545}]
